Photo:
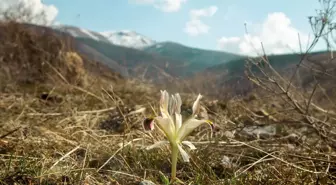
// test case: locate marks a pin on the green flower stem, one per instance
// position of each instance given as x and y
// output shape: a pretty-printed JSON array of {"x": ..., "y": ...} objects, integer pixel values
[{"x": 174, "y": 160}]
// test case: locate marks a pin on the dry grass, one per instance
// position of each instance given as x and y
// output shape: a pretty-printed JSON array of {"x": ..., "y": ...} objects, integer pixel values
[{"x": 65, "y": 141}]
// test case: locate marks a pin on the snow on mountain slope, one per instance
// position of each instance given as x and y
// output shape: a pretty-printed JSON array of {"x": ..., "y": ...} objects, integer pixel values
[
  {"x": 87, "y": 32},
  {"x": 80, "y": 32},
  {"x": 124, "y": 38},
  {"x": 128, "y": 39}
]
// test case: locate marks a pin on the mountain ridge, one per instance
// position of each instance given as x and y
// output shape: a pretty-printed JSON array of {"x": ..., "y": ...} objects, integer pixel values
[
  {"x": 230, "y": 78},
  {"x": 198, "y": 59},
  {"x": 128, "y": 38},
  {"x": 125, "y": 38},
  {"x": 184, "y": 59}
]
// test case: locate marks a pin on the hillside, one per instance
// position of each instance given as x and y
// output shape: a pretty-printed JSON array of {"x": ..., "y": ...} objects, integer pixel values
[
  {"x": 130, "y": 49},
  {"x": 230, "y": 78},
  {"x": 123, "y": 61},
  {"x": 128, "y": 62},
  {"x": 137, "y": 61},
  {"x": 197, "y": 59}
]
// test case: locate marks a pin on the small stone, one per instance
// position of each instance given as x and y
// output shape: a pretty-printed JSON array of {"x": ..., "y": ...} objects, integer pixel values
[
  {"x": 226, "y": 161},
  {"x": 229, "y": 134},
  {"x": 146, "y": 182}
]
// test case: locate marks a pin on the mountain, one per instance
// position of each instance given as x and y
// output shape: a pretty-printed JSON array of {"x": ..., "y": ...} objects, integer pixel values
[
  {"x": 197, "y": 59},
  {"x": 185, "y": 60},
  {"x": 139, "y": 64},
  {"x": 122, "y": 38},
  {"x": 81, "y": 33},
  {"x": 128, "y": 39},
  {"x": 128, "y": 62},
  {"x": 230, "y": 79},
  {"x": 94, "y": 55},
  {"x": 208, "y": 72}
]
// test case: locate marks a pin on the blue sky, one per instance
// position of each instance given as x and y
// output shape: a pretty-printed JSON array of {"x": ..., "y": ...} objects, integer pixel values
[{"x": 152, "y": 20}]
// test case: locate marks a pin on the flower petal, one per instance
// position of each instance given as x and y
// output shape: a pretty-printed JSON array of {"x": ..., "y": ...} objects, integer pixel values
[
  {"x": 189, "y": 126},
  {"x": 183, "y": 153},
  {"x": 157, "y": 144},
  {"x": 148, "y": 124},
  {"x": 178, "y": 121},
  {"x": 164, "y": 102},
  {"x": 196, "y": 105},
  {"x": 178, "y": 103},
  {"x": 167, "y": 126},
  {"x": 172, "y": 105},
  {"x": 189, "y": 144}
]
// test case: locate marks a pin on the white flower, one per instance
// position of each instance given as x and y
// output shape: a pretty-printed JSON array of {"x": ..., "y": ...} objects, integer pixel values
[{"x": 171, "y": 124}]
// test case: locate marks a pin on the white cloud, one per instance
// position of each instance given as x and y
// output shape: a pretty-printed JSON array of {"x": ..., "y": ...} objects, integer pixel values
[
  {"x": 276, "y": 33},
  {"x": 163, "y": 5},
  {"x": 206, "y": 12},
  {"x": 35, "y": 11},
  {"x": 195, "y": 26}
]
